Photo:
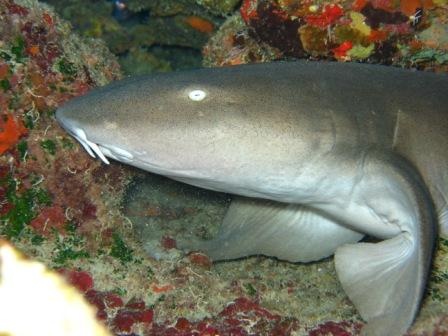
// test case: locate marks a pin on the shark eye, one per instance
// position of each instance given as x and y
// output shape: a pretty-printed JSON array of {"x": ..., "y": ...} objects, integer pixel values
[{"x": 197, "y": 95}]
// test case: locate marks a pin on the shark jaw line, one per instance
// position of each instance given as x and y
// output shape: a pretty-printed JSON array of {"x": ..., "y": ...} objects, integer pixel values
[{"x": 101, "y": 151}]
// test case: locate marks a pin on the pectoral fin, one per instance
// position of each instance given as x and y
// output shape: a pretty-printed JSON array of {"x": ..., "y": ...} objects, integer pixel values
[
  {"x": 386, "y": 280},
  {"x": 287, "y": 231},
  {"x": 381, "y": 280}
]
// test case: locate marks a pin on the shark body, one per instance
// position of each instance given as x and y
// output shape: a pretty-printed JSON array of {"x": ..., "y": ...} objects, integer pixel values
[{"x": 318, "y": 154}]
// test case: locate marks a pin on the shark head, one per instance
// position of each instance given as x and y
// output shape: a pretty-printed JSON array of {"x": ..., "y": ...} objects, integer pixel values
[
  {"x": 143, "y": 121},
  {"x": 195, "y": 126}
]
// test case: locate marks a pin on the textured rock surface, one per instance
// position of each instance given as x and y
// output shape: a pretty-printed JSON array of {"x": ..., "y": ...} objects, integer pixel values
[{"x": 62, "y": 207}]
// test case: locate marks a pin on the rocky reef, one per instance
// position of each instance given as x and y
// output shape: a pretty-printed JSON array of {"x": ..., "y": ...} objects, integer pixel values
[
  {"x": 70, "y": 212},
  {"x": 401, "y": 33},
  {"x": 149, "y": 35}
]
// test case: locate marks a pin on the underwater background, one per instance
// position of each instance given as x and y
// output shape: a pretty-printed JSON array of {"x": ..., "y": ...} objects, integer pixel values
[{"x": 111, "y": 231}]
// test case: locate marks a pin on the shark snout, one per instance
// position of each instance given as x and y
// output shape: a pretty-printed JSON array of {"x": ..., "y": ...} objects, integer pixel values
[
  {"x": 62, "y": 119},
  {"x": 79, "y": 134},
  {"x": 102, "y": 149}
]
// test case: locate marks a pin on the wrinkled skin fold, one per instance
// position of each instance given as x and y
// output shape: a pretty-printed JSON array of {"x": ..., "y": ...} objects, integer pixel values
[{"x": 318, "y": 154}]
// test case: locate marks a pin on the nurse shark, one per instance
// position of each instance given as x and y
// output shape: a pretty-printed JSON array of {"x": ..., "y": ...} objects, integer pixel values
[{"x": 317, "y": 154}]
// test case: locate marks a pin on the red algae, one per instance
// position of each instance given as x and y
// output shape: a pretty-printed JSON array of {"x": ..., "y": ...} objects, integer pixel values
[
  {"x": 16, "y": 9},
  {"x": 96, "y": 299},
  {"x": 341, "y": 51},
  {"x": 168, "y": 243},
  {"x": 124, "y": 321},
  {"x": 112, "y": 300},
  {"x": 88, "y": 210},
  {"x": 200, "y": 24},
  {"x": 387, "y": 5},
  {"x": 200, "y": 260},
  {"x": 11, "y": 130},
  {"x": 248, "y": 10},
  {"x": 82, "y": 280},
  {"x": 48, "y": 19},
  {"x": 336, "y": 329},
  {"x": 378, "y": 35},
  {"x": 162, "y": 288},
  {"x": 183, "y": 324},
  {"x": 135, "y": 304},
  {"x": 240, "y": 317},
  {"x": 120, "y": 317},
  {"x": 4, "y": 70},
  {"x": 329, "y": 15},
  {"x": 131, "y": 314},
  {"x": 49, "y": 219},
  {"x": 357, "y": 5},
  {"x": 244, "y": 305}
]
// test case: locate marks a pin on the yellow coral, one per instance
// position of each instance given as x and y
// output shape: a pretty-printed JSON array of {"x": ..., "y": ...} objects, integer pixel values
[
  {"x": 360, "y": 52},
  {"x": 358, "y": 23}
]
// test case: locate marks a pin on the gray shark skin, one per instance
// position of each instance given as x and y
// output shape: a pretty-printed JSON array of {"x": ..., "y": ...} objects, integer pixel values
[{"x": 318, "y": 154}]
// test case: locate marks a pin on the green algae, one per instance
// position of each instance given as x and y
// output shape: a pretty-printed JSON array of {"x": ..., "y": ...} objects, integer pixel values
[
  {"x": 444, "y": 243},
  {"x": 438, "y": 280},
  {"x": 20, "y": 215},
  {"x": 5, "y": 56},
  {"x": 42, "y": 196},
  {"x": 120, "y": 250},
  {"x": 250, "y": 289},
  {"x": 28, "y": 121},
  {"x": 23, "y": 206},
  {"x": 430, "y": 55},
  {"x": 37, "y": 240},
  {"x": 5, "y": 85},
  {"x": 67, "y": 143},
  {"x": 49, "y": 146},
  {"x": 71, "y": 227},
  {"x": 18, "y": 49},
  {"x": 69, "y": 249},
  {"x": 22, "y": 147},
  {"x": 66, "y": 68},
  {"x": 119, "y": 291}
]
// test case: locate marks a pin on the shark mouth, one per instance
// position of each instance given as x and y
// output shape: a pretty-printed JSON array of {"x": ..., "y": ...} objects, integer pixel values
[{"x": 101, "y": 151}]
